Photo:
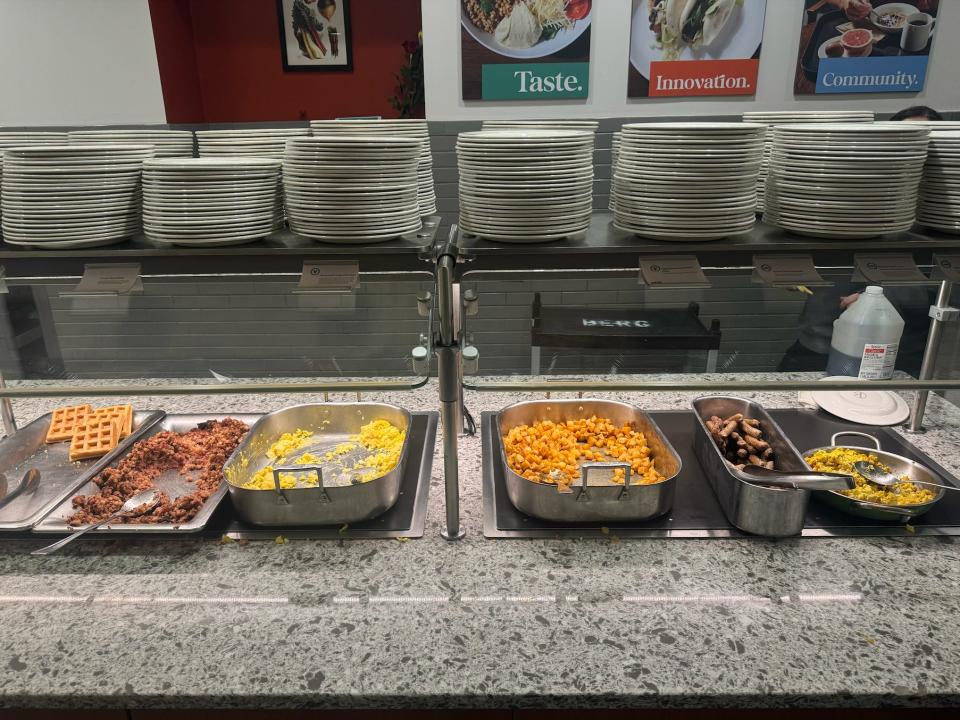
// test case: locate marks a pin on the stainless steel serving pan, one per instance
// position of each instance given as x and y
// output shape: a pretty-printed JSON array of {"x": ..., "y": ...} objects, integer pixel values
[
  {"x": 325, "y": 504},
  {"x": 172, "y": 482},
  {"x": 759, "y": 510},
  {"x": 899, "y": 465},
  {"x": 59, "y": 477},
  {"x": 596, "y": 499}
]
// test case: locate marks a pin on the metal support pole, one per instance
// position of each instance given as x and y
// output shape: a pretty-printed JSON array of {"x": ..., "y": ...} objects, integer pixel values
[
  {"x": 451, "y": 393},
  {"x": 6, "y": 412},
  {"x": 929, "y": 364}
]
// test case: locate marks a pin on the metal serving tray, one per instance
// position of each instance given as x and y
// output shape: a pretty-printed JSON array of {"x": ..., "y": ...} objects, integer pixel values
[
  {"x": 773, "y": 512},
  {"x": 594, "y": 498},
  {"x": 326, "y": 503},
  {"x": 59, "y": 477},
  {"x": 174, "y": 484}
]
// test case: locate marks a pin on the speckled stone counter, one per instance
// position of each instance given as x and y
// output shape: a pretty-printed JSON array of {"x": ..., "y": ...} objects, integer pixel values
[{"x": 180, "y": 623}]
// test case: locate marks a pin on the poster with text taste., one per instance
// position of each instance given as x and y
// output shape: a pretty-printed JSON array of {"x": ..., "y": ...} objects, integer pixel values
[
  {"x": 865, "y": 47},
  {"x": 525, "y": 50},
  {"x": 695, "y": 47}
]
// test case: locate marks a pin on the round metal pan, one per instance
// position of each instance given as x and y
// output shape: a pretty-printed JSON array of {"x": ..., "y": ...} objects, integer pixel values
[{"x": 899, "y": 465}]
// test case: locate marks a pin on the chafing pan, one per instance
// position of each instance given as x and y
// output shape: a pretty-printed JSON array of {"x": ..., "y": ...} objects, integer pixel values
[
  {"x": 324, "y": 504},
  {"x": 899, "y": 465},
  {"x": 596, "y": 498},
  {"x": 759, "y": 510}
]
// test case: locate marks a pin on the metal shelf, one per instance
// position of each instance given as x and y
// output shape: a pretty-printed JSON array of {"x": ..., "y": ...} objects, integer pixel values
[
  {"x": 605, "y": 246},
  {"x": 280, "y": 252}
]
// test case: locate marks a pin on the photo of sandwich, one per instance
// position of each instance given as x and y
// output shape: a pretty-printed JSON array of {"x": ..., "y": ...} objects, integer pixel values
[{"x": 678, "y": 30}]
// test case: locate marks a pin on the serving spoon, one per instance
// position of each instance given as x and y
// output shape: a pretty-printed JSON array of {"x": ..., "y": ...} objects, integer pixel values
[
  {"x": 28, "y": 484},
  {"x": 138, "y": 504},
  {"x": 799, "y": 480},
  {"x": 881, "y": 477}
]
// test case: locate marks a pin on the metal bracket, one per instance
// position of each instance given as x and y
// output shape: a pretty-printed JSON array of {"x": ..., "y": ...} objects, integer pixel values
[
  {"x": 4, "y": 290},
  {"x": 944, "y": 314}
]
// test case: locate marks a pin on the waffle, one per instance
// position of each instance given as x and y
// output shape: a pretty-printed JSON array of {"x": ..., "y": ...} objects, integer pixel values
[
  {"x": 94, "y": 438},
  {"x": 64, "y": 421},
  {"x": 123, "y": 414}
]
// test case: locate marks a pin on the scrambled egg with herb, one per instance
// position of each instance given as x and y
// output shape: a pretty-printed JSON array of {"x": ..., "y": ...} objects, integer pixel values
[
  {"x": 841, "y": 460},
  {"x": 382, "y": 440}
]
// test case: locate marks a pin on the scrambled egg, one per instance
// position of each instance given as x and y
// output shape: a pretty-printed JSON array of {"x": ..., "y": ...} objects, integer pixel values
[
  {"x": 841, "y": 460},
  {"x": 384, "y": 440}
]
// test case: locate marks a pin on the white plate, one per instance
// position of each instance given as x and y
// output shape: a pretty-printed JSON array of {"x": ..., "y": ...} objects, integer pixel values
[
  {"x": 865, "y": 407},
  {"x": 542, "y": 49}
]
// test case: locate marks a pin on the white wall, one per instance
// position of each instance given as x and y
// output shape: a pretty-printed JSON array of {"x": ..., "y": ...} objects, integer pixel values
[
  {"x": 78, "y": 62},
  {"x": 608, "y": 73}
]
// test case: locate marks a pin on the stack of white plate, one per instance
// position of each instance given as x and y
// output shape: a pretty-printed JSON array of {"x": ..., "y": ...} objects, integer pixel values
[
  {"x": 842, "y": 180},
  {"x": 584, "y": 125},
  {"x": 940, "y": 192},
  {"x": 615, "y": 142},
  {"x": 687, "y": 181},
  {"x": 64, "y": 196},
  {"x": 793, "y": 117},
  {"x": 525, "y": 185},
  {"x": 168, "y": 143},
  {"x": 352, "y": 188},
  {"x": 210, "y": 201},
  {"x": 426, "y": 192},
  {"x": 250, "y": 142},
  {"x": 12, "y": 139}
]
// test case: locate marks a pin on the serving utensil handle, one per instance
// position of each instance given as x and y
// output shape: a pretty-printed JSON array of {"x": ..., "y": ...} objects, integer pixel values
[{"x": 70, "y": 538}]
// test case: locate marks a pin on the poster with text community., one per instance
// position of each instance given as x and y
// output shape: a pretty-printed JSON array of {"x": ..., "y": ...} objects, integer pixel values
[
  {"x": 865, "y": 47},
  {"x": 525, "y": 49},
  {"x": 695, "y": 47}
]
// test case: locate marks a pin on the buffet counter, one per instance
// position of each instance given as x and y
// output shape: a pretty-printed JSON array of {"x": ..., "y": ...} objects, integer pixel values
[{"x": 197, "y": 622}]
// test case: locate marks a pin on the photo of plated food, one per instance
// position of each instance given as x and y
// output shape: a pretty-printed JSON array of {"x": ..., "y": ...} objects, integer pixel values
[
  {"x": 526, "y": 28},
  {"x": 834, "y": 30},
  {"x": 705, "y": 30}
]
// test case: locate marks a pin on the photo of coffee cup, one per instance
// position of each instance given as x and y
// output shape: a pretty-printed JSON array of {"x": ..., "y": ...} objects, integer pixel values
[
  {"x": 916, "y": 32},
  {"x": 857, "y": 42}
]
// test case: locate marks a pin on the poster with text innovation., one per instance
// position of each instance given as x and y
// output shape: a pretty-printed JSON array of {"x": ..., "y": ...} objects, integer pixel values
[
  {"x": 857, "y": 46},
  {"x": 525, "y": 50},
  {"x": 684, "y": 48}
]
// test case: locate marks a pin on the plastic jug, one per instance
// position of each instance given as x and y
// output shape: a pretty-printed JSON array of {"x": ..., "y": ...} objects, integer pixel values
[{"x": 866, "y": 338}]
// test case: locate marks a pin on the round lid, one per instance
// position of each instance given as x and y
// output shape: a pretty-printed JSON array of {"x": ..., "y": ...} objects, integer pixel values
[{"x": 867, "y": 407}]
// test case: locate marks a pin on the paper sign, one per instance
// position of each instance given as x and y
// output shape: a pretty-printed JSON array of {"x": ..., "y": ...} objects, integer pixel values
[
  {"x": 109, "y": 279},
  {"x": 672, "y": 271},
  {"x": 889, "y": 269},
  {"x": 787, "y": 271},
  {"x": 329, "y": 276}
]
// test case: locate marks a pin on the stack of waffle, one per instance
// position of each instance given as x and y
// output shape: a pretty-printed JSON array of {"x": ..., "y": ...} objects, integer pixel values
[{"x": 91, "y": 433}]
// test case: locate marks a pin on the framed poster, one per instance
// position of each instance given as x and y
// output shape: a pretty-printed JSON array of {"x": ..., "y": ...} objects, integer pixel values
[
  {"x": 525, "y": 49},
  {"x": 315, "y": 35},
  {"x": 854, "y": 46},
  {"x": 695, "y": 47}
]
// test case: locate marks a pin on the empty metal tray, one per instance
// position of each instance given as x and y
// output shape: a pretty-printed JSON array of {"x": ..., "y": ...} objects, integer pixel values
[
  {"x": 59, "y": 477},
  {"x": 173, "y": 484}
]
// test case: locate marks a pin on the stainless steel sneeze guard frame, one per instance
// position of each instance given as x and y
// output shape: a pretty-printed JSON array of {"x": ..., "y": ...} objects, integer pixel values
[
  {"x": 593, "y": 502},
  {"x": 325, "y": 504},
  {"x": 56, "y": 521},
  {"x": 759, "y": 510},
  {"x": 59, "y": 477}
]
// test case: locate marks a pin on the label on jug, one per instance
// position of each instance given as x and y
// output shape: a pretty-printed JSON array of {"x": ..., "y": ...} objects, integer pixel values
[{"x": 878, "y": 361}]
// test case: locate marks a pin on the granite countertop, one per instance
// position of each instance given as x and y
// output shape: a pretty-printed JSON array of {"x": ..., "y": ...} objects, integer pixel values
[{"x": 191, "y": 622}]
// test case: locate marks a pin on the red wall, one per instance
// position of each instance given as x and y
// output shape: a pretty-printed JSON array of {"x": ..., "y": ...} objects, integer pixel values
[{"x": 220, "y": 62}]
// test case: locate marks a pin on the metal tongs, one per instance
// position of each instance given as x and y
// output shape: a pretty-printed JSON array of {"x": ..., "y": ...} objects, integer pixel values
[{"x": 798, "y": 480}]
